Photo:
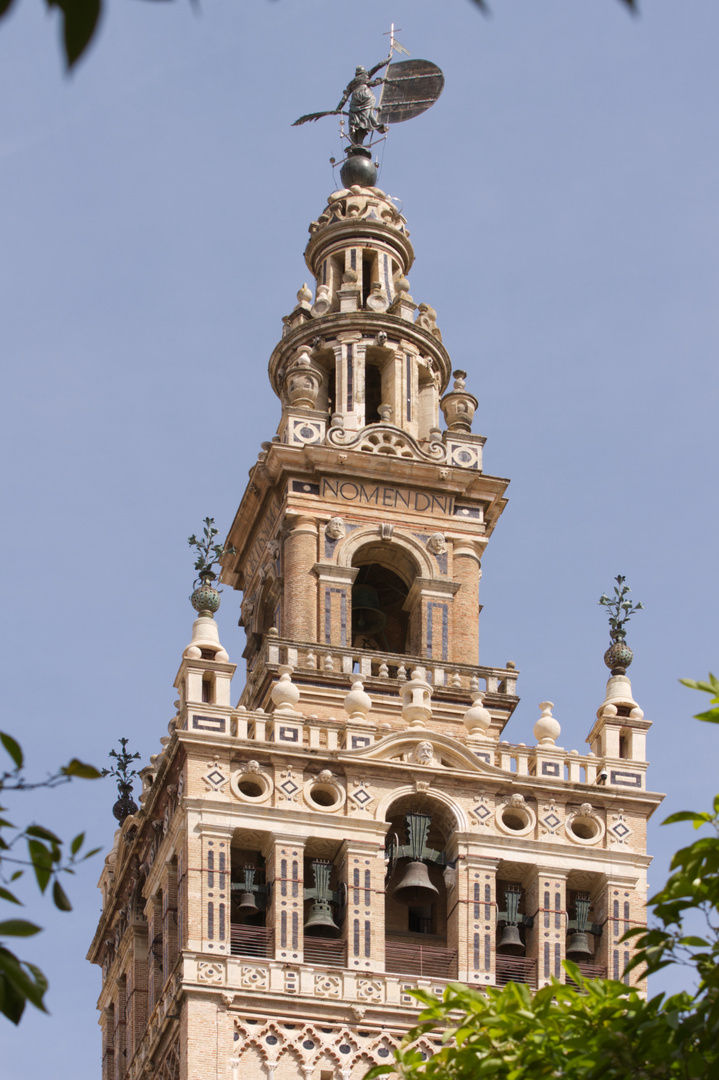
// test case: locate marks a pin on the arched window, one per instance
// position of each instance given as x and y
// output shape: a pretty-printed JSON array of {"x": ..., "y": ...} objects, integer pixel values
[
  {"x": 379, "y": 620},
  {"x": 373, "y": 393}
]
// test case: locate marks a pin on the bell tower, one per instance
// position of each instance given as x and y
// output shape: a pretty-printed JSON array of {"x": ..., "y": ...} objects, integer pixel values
[{"x": 356, "y": 827}]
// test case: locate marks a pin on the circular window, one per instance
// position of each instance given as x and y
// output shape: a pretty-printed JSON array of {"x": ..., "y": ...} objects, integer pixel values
[
  {"x": 322, "y": 796},
  {"x": 251, "y": 787},
  {"x": 584, "y": 830},
  {"x": 321, "y": 793},
  {"x": 516, "y": 820}
]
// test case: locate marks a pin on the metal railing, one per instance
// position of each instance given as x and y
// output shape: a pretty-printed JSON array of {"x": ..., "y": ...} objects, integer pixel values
[
  {"x": 520, "y": 969},
  {"x": 433, "y": 961},
  {"x": 251, "y": 941},
  {"x": 328, "y": 952}
]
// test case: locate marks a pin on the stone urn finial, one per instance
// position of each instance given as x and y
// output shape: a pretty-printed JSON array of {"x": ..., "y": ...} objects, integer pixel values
[
  {"x": 619, "y": 656},
  {"x": 416, "y": 696},
  {"x": 547, "y": 729},
  {"x": 477, "y": 719},
  {"x": 303, "y": 380},
  {"x": 285, "y": 694},
  {"x": 458, "y": 406},
  {"x": 357, "y": 702}
]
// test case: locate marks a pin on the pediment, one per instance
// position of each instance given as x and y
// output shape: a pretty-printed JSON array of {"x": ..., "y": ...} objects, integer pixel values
[{"x": 425, "y": 749}]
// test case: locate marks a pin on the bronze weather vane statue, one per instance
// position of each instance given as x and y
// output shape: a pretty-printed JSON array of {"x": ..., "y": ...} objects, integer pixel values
[{"x": 409, "y": 87}]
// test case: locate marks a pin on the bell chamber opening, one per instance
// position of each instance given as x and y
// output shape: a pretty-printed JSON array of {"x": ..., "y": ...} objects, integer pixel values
[{"x": 379, "y": 620}]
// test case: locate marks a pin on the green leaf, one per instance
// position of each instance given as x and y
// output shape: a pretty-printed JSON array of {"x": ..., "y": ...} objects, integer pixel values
[
  {"x": 687, "y": 815},
  {"x": 18, "y": 928},
  {"x": 80, "y": 20},
  {"x": 60, "y": 897},
  {"x": 81, "y": 770},
  {"x": 42, "y": 834},
  {"x": 5, "y": 894},
  {"x": 710, "y": 717},
  {"x": 13, "y": 748},
  {"x": 77, "y": 843}
]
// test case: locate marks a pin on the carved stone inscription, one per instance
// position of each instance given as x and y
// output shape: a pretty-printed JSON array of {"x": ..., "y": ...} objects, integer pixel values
[{"x": 397, "y": 498}]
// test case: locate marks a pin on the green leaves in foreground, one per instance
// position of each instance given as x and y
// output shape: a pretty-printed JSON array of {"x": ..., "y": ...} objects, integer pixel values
[
  {"x": 603, "y": 1030},
  {"x": 40, "y": 850}
]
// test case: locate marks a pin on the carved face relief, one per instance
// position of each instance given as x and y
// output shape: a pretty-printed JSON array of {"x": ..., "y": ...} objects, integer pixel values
[
  {"x": 437, "y": 544},
  {"x": 335, "y": 528},
  {"x": 423, "y": 753}
]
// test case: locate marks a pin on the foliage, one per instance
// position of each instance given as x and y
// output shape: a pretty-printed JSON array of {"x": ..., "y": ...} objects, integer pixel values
[
  {"x": 208, "y": 552},
  {"x": 621, "y": 609},
  {"x": 81, "y": 20},
  {"x": 37, "y": 848},
  {"x": 121, "y": 770},
  {"x": 603, "y": 1029}
]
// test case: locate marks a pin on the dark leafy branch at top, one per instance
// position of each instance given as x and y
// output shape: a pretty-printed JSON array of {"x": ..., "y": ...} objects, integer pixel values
[
  {"x": 39, "y": 849},
  {"x": 620, "y": 608},
  {"x": 209, "y": 553},
  {"x": 81, "y": 20}
]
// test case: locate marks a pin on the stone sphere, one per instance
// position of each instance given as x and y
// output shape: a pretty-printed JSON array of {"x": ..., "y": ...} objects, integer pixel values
[
  {"x": 358, "y": 170},
  {"x": 205, "y": 598}
]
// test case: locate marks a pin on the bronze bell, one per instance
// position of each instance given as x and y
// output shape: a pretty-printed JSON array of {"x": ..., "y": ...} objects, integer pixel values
[
  {"x": 247, "y": 905},
  {"x": 367, "y": 614},
  {"x": 320, "y": 922},
  {"x": 578, "y": 947},
  {"x": 510, "y": 942},
  {"x": 415, "y": 889}
]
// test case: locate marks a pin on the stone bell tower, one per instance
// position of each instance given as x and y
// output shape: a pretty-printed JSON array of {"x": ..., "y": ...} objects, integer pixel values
[{"x": 356, "y": 826}]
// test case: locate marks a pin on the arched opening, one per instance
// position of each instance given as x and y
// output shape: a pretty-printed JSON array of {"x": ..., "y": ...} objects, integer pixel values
[
  {"x": 373, "y": 393},
  {"x": 417, "y": 935},
  {"x": 379, "y": 620},
  {"x": 249, "y": 896}
]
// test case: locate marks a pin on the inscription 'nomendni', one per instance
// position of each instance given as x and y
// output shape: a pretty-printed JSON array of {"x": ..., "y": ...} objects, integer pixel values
[{"x": 388, "y": 497}]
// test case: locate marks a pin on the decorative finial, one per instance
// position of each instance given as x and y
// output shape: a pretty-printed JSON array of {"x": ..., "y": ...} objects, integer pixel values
[
  {"x": 408, "y": 89},
  {"x": 205, "y": 599},
  {"x": 547, "y": 729},
  {"x": 124, "y": 776},
  {"x": 619, "y": 656}
]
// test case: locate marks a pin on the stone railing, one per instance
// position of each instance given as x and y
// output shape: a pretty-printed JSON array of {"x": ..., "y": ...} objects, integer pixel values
[{"x": 380, "y": 669}]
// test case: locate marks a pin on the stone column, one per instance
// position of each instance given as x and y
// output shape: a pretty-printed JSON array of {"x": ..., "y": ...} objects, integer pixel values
[
  {"x": 153, "y": 912},
  {"x": 137, "y": 988},
  {"x": 120, "y": 1043},
  {"x": 299, "y": 602},
  {"x": 476, "y": 900},
  {"x": 335, "y": 603},
  {"x": 215, "y": 914},
  {"x": 169, "y": 920},
  {"x": 108, "y": 1043},
  {"x": 617, "y": 904},
  {"x": 430, "y": 604},
  {"x": 546, "y": 900},
  {"x": 284, "y": 869},
  {"x": 362, "y": 870},
  {"x": 466, "y": 570},
  {"x": 349, "y": 380}
]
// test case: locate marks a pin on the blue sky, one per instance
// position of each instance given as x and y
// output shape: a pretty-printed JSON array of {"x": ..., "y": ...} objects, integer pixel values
[{"x": 562, "y": 199}]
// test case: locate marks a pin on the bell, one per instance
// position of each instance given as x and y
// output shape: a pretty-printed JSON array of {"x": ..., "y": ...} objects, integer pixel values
[
  {"x": 415, "y": 889},
  {"x": 367, "y": 615},
  {"x": 247, "y": 905},
  {"x": 510, "y": 942},
  {"x": 578, "y": 947},
  {"x": 320, "y": 922}
]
